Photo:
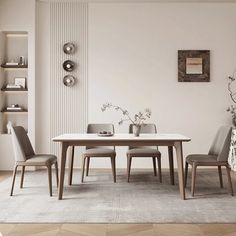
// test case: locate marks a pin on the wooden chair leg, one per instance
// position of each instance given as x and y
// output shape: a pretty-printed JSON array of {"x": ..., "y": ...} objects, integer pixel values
[
  {"x": 186, "y": 174},
  {"x": 13, "y": 180},
  {"x": 159, "y": 169},
  {"x": 71, "y": 165},
  {"x": 87, "y": 166},
  {"x": 113, "y": 166},
  {"x": 230, "y": 186},
  {"x": 83, "y": 167},
  {"x": 154, "y": 166},
  {"x": 194, "y": 170},
  {"x": 129, "y": 161},
  {"x": 22, "y": 176},
  {"x": 50, "y": 179},
  {"x": 171, "y": 165},
  {"x": 220, "y": 176},
  {"x": 56, "y": 170}
]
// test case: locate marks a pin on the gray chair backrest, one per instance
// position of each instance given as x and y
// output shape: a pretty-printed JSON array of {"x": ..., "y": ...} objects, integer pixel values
[
  {"x": 145, "y": 129},
  {"x": 96, "y": 128},
  {"x": 22, "y": 147},
  {"x": 221, "y": 143}
]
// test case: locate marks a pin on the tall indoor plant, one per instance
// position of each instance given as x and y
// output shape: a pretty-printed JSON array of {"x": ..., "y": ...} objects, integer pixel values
[{"x": 232, "y": 108}]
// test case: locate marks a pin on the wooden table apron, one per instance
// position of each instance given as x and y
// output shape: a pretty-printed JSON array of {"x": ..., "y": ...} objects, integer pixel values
[{"x": 109, "y": 142}]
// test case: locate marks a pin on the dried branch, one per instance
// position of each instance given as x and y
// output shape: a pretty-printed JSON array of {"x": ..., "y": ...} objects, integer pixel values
[
  {"x": 138, "y": 118},
  {"x": 232, "y": 109}
]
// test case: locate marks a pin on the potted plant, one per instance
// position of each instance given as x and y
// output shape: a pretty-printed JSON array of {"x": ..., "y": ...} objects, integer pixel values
[
  {"x": 137, "y": 120},
  {"x": 232, "y": 108}
]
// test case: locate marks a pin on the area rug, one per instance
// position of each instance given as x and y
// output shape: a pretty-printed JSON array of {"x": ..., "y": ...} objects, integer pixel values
[{"x": 99, "y": 200}]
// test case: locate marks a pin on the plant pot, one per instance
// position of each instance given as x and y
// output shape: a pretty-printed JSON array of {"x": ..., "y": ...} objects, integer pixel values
[{"x": 136, "y": 130}]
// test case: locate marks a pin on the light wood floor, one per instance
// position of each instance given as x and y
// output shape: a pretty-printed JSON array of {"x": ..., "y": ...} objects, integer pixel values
[{"x": 116, "y": 229}]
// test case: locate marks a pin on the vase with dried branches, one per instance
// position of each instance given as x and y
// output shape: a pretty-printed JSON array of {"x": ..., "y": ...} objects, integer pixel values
[
  {"x": 137, "y": 120},
  {"x": 232, "y": 108}
]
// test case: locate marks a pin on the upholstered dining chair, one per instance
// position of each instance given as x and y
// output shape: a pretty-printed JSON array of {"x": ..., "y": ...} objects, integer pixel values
[
  {"x": 98, "y": 152},
  {"x": 25, "y": 156},
  {"x": 144, "y": 151},
  {"x": 217, "y": 156}
]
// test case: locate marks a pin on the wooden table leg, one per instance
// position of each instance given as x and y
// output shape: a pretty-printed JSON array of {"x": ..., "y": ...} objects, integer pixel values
[
  {"x": 71, "y": 166},
  {"x": 64, "y": 147},
  {"x": 179, "y": 156},
  {"x": 171, "y": 165}
]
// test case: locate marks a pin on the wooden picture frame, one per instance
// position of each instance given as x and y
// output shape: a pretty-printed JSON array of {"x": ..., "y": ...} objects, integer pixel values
[{"x": 193, "y": 66}]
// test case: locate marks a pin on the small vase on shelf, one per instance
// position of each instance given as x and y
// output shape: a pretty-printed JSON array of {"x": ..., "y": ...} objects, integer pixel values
[{"x": 9, "y": 126}]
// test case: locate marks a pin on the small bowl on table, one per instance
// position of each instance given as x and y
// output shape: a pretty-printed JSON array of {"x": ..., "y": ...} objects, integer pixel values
[{"x": 105, "y": 134}]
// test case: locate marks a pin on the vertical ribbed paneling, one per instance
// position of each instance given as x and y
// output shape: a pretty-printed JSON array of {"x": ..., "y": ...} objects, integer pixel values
[{"x": 68, "y": 105}]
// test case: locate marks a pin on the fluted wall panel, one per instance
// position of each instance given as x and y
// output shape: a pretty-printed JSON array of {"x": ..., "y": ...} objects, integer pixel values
[{"x": 68, "y": 105}]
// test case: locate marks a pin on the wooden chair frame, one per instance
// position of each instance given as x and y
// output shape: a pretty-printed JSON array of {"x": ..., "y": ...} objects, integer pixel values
[
  {"x": 24, "y": 164},
  {"x": 218, "y": 164}
]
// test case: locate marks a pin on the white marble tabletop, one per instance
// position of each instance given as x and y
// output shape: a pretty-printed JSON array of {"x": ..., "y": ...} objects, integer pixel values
[{"x": 122, "y": 136}]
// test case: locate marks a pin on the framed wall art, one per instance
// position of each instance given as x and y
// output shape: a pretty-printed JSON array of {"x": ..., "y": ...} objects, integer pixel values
[
  {"x": 194, "y": 66},
  {"x": 20, "y": 81}
]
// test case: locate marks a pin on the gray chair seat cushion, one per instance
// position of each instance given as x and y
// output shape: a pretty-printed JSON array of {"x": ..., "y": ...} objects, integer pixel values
[
  {"x": 41, "y": 159},
  {"x": 143, "y": 152},
  {"x": 99, "y": 152},
  {"x": 201, "y": 158}
]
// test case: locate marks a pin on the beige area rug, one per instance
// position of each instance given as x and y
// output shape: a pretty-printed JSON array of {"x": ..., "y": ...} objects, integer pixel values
[{"x": 99, "y": 200}]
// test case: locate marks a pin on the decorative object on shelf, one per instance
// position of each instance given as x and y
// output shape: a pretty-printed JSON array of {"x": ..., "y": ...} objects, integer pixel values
[
  {"x": 9, "y": 126},
  {"x": 22, "y": 61},
  {"x": 137, "y": 121},
  {"x": 13, "y": 86},
  {"x": 11, "y": 63},
  {"x": 68, "y": 65},
  {"x": 14, "y": 107},
  {"x": 69, "y": 48},
  {"x": 69, "y": 80},
  {"x": 193, "y": 65},
  {"x": 19, "y": 81}
]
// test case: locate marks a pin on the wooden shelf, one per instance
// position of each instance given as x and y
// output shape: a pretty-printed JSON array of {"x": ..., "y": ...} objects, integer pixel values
[
  {"x": 14, "y": 46},
  {"x": 14, "y": 90},
  {"x": 23, "y": 111},
  {"x": 14, "y": 67}
]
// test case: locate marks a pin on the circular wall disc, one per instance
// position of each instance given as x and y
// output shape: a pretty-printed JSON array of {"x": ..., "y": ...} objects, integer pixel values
[
  {"x": 68, "y": 65},
  {"x": 69, "y": 80},
  {"x": 69, "y": 48}
]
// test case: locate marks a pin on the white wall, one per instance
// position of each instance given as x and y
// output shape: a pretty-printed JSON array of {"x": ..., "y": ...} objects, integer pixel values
[
  {"x": 133, "y": 63},
  {"x": 42, "y": 77},
  {"x": 18, "y": 15}
]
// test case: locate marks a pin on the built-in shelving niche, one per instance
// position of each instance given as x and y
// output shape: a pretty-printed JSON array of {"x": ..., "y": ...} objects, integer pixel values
[{"x": 13, "y": 45}]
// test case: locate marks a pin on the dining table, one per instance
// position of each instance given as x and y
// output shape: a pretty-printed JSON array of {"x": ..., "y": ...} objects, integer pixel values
[{"x": 170, "y": 140}]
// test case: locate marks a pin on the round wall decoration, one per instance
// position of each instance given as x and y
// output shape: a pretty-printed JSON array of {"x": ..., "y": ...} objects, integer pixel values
[
  {"x": 69, "y": 80},
  {"x": 69, "y": 48},
  {"x": 68, "y": 65}
]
